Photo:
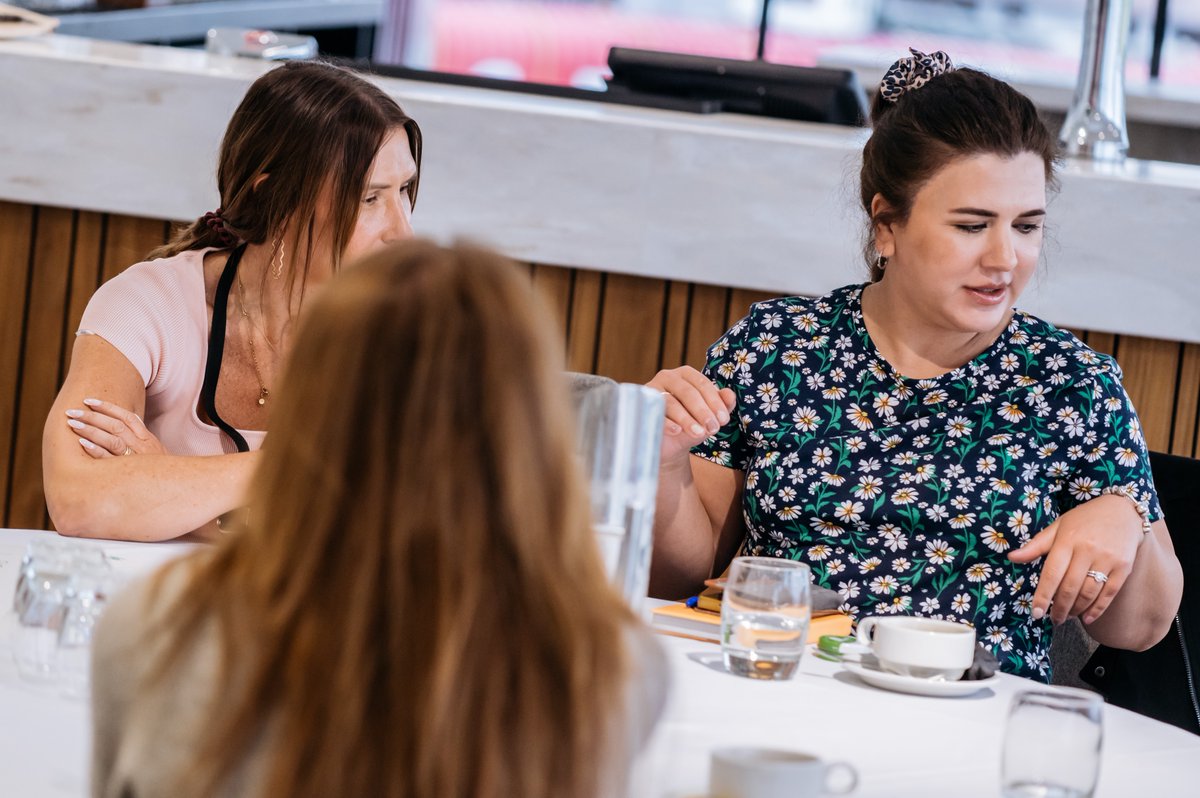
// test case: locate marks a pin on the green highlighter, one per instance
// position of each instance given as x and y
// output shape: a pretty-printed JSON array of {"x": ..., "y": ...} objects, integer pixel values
[{"x": 839, "y": 645}]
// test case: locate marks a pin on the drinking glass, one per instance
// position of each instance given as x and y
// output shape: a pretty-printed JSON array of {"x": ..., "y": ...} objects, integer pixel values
[
  {"x": 49, "y": 575},
  {"x": 85, "y": 600},
  {"x": 620, "y": 441},
  {"x": 765, "y": 611},
  {"x": 1052, "y": 744}
]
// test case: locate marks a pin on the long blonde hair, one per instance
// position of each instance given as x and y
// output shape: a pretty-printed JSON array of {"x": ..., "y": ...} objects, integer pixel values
[{"x": 417, "y": 605}]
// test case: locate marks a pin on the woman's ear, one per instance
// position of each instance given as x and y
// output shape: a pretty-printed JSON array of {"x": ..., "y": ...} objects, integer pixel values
[{"x": 885, "y": 238}]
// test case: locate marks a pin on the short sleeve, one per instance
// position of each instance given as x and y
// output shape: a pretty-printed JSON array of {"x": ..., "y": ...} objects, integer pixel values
[
  {"x": 728, "y": 364},
  {"x": 1109, "y": 454},
  {"x": 151, "y": 312}
]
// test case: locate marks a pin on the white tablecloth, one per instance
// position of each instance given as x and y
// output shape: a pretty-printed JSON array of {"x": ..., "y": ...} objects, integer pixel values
[{"x": 902, "y": 745}]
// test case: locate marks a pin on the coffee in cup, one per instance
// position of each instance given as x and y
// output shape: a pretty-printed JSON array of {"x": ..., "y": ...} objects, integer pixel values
[
  {"x": 774, "y": 773},
  {"x": 923, "y": 648}
]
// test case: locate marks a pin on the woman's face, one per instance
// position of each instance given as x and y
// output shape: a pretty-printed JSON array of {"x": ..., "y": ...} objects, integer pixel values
[
  {"x": 385, "y": 212},
  {"x": 970, "y": 244}
]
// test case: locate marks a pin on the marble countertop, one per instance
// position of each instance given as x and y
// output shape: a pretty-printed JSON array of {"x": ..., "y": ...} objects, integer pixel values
[{"x": 722, "y": 199}]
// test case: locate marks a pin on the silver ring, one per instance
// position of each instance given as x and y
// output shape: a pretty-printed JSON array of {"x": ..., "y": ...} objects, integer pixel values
[
  {"x": 1099, "y": 576},
  {"x": 128, "y": 451}
]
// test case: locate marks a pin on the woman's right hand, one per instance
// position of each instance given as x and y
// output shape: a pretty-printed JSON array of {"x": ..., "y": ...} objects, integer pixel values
[{"x": 695, "y": 408}]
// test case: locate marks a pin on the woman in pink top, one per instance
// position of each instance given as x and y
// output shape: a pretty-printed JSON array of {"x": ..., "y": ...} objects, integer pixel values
[{"x": 155, "y": 431}]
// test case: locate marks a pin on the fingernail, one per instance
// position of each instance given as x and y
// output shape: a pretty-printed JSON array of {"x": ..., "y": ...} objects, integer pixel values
[
  {"x": 1088, "y": 620},
  {"x": 712, "y": 426},
  {"x": 673, "y": 428},
  {"x": 697, "y": 429},
  {"x": 92, "y": 402},
  {"x": 1038, "y": 612},
  {"x": 74, "y": 413},
  {"x": 724, "y": 417},
  {"x": 87, "y": 444},
  {"x": 76, "y": 424}
]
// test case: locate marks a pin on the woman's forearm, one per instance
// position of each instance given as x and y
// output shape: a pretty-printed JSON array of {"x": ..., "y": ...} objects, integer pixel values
[
  {"x": 146, "y": 497},
  {"x": 684, "y": 542},
  {"x": 1142, "y": 612}
]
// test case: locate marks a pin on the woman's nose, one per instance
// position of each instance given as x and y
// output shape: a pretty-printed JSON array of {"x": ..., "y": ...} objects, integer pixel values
[
  {"x": 400, "y": 224},
  {"x": 1002, "y": 253}
]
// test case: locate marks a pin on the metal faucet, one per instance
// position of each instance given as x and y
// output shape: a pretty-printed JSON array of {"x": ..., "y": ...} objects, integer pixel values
[{"x": 1095, "y": 124}]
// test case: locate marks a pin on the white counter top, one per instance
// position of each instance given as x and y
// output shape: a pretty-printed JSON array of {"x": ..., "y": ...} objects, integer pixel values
[{"x": 724, "y": 199}]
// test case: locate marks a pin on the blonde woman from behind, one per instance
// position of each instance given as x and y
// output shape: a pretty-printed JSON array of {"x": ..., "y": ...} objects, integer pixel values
[{"x": 416, "y": 607}]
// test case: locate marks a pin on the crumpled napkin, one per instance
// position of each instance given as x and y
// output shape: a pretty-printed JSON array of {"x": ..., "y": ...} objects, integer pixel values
[
  {"x": 984, "y": 666},
  {"x": 824, "y": 599}
]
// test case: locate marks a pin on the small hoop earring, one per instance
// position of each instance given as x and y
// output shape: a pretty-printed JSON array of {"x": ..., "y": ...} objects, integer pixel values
[
  {"x": 880, "y": 262},
  {"x": 277, "y": 250}
]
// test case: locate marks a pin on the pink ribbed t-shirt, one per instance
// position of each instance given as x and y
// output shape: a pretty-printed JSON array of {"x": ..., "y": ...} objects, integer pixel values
[{"x": 155, "y": 314}]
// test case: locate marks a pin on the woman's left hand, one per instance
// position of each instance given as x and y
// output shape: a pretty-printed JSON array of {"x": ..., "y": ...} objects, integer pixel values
[
  {"x": 108, "y": 430},
  {"x": 1098, "y": 537}
]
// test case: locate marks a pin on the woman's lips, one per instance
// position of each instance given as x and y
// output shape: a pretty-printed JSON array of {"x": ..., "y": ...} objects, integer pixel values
[{"x": 988, "y": 294}]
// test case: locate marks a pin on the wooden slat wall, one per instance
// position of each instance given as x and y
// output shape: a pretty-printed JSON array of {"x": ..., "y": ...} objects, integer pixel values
[
  {"x": 625, "y": 327},
  {"x": 51, "y": 260}
]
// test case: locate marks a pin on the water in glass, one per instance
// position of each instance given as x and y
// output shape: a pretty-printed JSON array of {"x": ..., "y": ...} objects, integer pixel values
[{"x": 765, "y": 611}]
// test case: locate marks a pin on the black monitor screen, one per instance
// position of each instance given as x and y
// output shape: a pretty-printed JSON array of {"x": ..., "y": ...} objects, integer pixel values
[{"x": 706, "y": 84}]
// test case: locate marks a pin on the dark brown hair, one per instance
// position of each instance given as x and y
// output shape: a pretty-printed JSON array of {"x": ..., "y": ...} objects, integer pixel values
[
  {"x": 958, "y": 114},
  {"x": 304, "y": 125},
  {"x": 417, "y": 604}
]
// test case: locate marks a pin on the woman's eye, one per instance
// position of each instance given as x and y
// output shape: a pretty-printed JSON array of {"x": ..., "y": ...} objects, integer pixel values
[
  {"x": 370, "y": 199},
  {"x": 1028, "y": 228},
  {"x": 971, "y": 228}
]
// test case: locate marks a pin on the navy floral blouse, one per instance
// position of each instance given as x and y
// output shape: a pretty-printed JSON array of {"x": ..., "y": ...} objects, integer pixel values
[{"x": 905, "y": 495}]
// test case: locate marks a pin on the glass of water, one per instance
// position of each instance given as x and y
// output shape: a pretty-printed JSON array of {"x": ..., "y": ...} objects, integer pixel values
[
  {"x": 765, "y": 612},
  {"x": 1052, "y": 744}
]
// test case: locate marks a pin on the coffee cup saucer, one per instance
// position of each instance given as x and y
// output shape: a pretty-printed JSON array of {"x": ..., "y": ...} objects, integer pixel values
[{"x": 875, "y": 676}]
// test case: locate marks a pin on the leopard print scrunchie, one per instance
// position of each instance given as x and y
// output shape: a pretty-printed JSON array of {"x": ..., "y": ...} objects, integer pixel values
[{"x": 909, "y": 74}]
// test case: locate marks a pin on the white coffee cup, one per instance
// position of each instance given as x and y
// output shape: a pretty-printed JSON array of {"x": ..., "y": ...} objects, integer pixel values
[
  {"x": 923, "y": 648},
  {"x": 774, "y": 773}
]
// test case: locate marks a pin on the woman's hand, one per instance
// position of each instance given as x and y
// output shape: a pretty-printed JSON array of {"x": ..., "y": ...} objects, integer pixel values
[
  {"x": 1098, "y": 537},
  {"x": 695, "y": 409},
  {"x": 108, "y": 430}
]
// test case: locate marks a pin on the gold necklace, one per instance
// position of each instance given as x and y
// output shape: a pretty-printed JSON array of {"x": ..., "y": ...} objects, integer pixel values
[{"x": 263, "y": 393}]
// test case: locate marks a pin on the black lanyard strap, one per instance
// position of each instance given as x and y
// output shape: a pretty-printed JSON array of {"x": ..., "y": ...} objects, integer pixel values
[{"x": 216, "y": 350}]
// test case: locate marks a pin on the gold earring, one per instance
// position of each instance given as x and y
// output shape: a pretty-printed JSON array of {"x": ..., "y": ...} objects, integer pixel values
[{"x": 277, "y": 249}]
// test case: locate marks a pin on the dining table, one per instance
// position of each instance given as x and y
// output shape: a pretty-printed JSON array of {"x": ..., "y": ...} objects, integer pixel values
[{"x": 900, "y": 744}]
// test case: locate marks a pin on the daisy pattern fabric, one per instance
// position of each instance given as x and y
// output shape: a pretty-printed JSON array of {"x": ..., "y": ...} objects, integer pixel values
[{"x": 906, "y": 495}]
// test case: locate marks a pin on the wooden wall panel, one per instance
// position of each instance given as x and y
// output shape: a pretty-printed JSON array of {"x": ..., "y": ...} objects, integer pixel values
[
  {"x": 631, "y": 324},
  {"x": 42, "y": 356},
  {"x": 1187, "y": 403},
  {"x": 707, "y": 321},
  {"x": 675, "y": 325},
  {"x": 740, "y": 301},
  {"x": 621, "y": 326},
  {"x": 1151, "y": 368},
  {"x": 84, "y": 279},
  {"x": 584, "y": 321},
  {"x": 17, "y": 226},
  {"x": 555, "y": 287}
]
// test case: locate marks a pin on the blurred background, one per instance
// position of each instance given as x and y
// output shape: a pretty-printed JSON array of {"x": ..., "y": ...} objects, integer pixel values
[{"x": 566, "y": 42}]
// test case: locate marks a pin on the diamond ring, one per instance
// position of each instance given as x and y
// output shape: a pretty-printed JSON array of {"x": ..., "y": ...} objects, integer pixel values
[{"x": 1099, "y": 576}]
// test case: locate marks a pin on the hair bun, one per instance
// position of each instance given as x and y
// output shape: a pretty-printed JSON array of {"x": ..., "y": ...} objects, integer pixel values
[{"x": 913, "y": 72}]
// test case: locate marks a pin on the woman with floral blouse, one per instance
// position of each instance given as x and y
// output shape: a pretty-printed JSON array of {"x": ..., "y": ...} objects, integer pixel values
[{"x": 925, "y": 448}]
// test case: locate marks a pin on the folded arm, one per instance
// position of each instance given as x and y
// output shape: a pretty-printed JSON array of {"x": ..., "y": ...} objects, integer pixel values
[{"x": 148, "y": 496}]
